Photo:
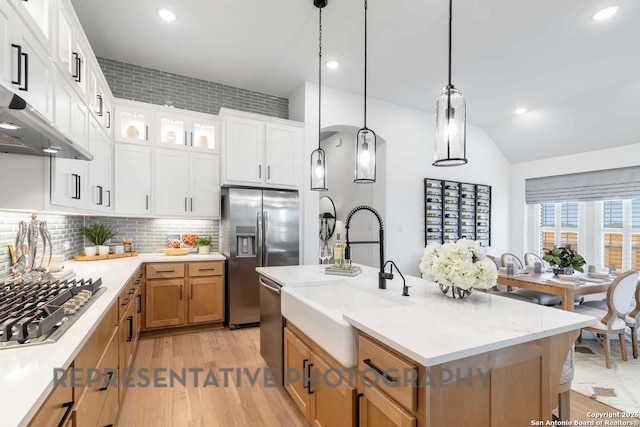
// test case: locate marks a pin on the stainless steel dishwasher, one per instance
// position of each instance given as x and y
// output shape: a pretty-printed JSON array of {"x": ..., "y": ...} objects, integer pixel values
[{"x": 271, "y": 327}]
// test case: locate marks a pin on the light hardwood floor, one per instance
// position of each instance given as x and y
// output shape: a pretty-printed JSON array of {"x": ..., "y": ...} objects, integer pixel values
[{"x": 228, "y": 407}]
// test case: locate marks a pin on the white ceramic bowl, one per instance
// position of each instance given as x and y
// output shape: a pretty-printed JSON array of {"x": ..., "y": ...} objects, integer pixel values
[
  {"x": 599, "y": 275},
  {"x": 568, "y": 277}
]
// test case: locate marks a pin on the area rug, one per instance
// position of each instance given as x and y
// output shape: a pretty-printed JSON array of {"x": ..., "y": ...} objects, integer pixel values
[{"x": 618, "y": 387}]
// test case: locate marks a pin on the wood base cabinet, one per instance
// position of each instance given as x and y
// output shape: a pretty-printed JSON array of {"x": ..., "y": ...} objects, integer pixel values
[
  {"x": 184, "y": 294},
  {"x": 375, "y": 409},
  {"x": 323, "y": 395}
]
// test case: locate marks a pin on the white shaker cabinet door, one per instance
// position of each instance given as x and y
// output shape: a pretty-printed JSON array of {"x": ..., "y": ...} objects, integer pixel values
[
  {"x": 244, "y": 150},
  {"x": 171, "y": 182},
  {"x": 132, "y": 179},
  {"x": 281, "y": 148},
  {"x": 32, "y": 72},
  {"x": 6, "y": 51},
  {"x": 204, "y": 185}
]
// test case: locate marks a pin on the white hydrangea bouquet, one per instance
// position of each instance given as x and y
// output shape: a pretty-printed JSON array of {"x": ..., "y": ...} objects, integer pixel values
[{"x": 458, "y": 267}]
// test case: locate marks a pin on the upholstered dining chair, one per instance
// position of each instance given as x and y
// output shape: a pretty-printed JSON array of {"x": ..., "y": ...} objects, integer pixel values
[
  {"x": 530, "y": 259},
  {"x": 632, "y": 319},
  {"x": 495, "y": 260},
  {"x": 613, "y": 321},
  {"x": 564, "y": 391},
  {"x": 538, "y": 297}
]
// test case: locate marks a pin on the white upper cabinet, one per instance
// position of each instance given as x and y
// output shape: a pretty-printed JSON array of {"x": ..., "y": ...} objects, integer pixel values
[
  {"x": 244, "y": 150},
  {"x": 36, "y": 14},
  {"x": 132, "y": 176},
  {"x": 171, "y": 182},
  {"x": 69, "y": 182},
  {"x": 204, "y": 185},
  {"x": 71, "y": 115},
  {"x": 282, "y": 147},
  {"x": 261, "y": 151},
  {"x": 7, "y": 18},
  {"x": 205, "y": 135},
  {"x": 133, "y": 124},
  {"x": 100, "y": 196},
  {"x": 186, "y": 184},
  {"x": 31, "y": 71}
]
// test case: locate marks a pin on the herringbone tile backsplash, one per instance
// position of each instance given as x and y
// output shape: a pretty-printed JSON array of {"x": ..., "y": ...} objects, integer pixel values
[{"x": 148, "y": 234}]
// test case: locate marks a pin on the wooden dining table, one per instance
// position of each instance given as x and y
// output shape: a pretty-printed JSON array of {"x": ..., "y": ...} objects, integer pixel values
[{"x": 539, "y": 282}]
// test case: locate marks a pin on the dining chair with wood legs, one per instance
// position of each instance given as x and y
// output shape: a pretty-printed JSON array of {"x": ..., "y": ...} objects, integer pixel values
[
  {"x": 541, "y": 298},
  {"x": 613, "y": 321}
]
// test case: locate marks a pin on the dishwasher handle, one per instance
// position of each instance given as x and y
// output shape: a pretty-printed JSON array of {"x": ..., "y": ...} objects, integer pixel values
[{"x": 269, "y": 285}]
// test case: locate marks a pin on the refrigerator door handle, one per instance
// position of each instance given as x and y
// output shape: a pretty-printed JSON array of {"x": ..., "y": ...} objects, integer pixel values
[
  {"x": 259, "y": 237},
  {"x": 264, "y": 238}
]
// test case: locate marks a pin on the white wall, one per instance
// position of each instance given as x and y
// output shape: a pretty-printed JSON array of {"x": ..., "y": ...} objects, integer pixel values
[
  {"x": 346, "y": 194},
  {"x": 409, "y": 136},
  {"x": 618, "y": 157}
]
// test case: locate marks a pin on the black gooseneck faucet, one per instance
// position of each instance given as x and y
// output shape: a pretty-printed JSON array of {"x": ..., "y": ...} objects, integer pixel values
[{"x": 382, "y": 280}]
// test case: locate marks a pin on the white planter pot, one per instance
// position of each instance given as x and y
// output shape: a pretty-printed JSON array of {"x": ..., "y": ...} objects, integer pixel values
[
  {"x": 203, "y": 250},
  {"x": 103, "y": 250},
  {"x": 90, "y": 250}
]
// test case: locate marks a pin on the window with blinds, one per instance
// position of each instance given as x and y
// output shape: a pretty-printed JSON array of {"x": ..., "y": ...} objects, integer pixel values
[
  {"x": 548, "y": 215},
  {"x": 558, "y": 225},
  {"x": 569, "y": 215},
  {"x": 621, "y": 234}
]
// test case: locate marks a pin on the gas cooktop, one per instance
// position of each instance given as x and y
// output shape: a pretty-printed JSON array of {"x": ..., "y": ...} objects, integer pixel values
[{"x": 40, "y": 312}]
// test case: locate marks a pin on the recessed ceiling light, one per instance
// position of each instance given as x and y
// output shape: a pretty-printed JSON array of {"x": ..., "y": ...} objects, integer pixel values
[
  {"x": 51, "y": 150},
  {"x": 167, "y": 15},
  {"x": 520, "y": 110},
  {"x": 9, "y": 126},
  {"x": 606, "y": 13},
  {"x": 333, "y": 65}
]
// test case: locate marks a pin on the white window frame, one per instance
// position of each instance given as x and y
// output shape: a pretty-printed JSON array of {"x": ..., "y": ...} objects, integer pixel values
[{"x": 626, "y": 232}]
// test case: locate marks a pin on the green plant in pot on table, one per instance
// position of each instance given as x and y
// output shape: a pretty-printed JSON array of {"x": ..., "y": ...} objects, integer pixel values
[
  {"x": 98, "y": 234},
  {"x": 564, "y": 259},
  {"x": 203, "y": 244}
]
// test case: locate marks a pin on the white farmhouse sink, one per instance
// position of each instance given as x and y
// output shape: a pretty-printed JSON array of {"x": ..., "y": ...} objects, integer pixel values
[{"x": 317, "y": 308}]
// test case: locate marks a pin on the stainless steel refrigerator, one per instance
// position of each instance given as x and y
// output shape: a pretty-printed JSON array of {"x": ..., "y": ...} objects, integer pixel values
[{"x": 260, "y": 227}]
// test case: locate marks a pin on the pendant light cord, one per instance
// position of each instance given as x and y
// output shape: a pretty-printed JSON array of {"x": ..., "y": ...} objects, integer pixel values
[
  {"x": 450, "y": 32},
  {"x": 320, "y": 81},
  {"x": 365, "y": 62}
]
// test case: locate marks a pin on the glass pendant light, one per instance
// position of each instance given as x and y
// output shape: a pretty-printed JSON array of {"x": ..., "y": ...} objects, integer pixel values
[
  {"x": 451, "y": 120},
  {"x": 318, "y": 156},
  {"x": 366, "y": 138}
]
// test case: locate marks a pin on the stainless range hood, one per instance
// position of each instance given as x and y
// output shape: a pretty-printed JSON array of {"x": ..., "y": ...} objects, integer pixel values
[{"x": 25, "y": 131}]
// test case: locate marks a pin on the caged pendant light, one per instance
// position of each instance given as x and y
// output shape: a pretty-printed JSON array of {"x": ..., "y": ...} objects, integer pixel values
[
  {"x": 366, "y": 138},
  {"x": 318, "y": 156},
  {"x": 451, "y": 120}
]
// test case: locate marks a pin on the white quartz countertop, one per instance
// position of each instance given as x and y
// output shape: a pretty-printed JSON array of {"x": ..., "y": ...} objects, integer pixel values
[
  {"x": 26, "y": 374},
  {"x": 433, "y": 328}
]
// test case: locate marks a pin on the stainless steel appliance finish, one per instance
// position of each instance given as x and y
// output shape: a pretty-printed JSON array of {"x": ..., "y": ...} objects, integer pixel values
[
  {"x": 271, "y": 324},
  {"x": 24, "y": 131},
  {"x": 259, "y": 228},
  {"x": 40, "y": 312}
]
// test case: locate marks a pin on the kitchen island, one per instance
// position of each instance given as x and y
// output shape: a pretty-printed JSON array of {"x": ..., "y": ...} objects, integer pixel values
[
  {"x": 28, "y": 373},
  {"x": 422, "y": 360}
]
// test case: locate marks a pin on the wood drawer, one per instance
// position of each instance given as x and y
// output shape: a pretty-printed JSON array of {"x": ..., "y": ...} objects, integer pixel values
[
  {"x": 94, "y": 348},
  {"x": 373, "y": 357},
  {"x": 90, "y": 407},
  {"x": 126, "y": 297},
  {"x": 213, "y": 268},
  {"x": 165, "y": 270},
  {"x": 56, "y": 406}
]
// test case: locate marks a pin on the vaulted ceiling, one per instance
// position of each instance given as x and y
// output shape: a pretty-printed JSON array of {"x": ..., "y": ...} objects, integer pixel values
[{"x": 578, "y": 77}]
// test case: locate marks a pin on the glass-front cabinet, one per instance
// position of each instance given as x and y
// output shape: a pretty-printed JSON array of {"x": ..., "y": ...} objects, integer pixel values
[
  {"x": 133, "y": 124},
  {"x": 172, "y": 130},
  {"x": 205, "y": 135}
]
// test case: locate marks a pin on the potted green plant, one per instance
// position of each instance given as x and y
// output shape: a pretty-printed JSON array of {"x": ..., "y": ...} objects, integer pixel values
[
  {"x": 98, "y": 234},
  {"x": 203, "y": 244},
  {"x": 564, "y": 257}
]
